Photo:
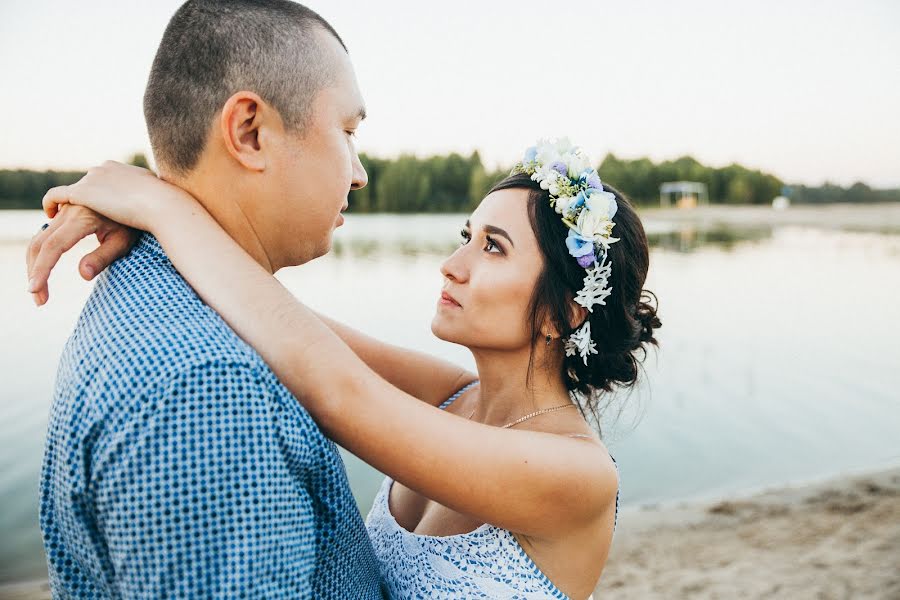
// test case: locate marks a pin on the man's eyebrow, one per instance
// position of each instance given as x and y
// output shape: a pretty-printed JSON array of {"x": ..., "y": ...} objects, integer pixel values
[{"x": 495, "y": 230}]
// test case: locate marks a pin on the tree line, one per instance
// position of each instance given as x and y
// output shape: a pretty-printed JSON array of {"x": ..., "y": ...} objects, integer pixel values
[{"x": 456, "y": 183}]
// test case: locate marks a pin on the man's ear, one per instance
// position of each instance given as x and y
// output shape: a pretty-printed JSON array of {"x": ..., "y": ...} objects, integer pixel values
[{"x": 243, "y": 125}]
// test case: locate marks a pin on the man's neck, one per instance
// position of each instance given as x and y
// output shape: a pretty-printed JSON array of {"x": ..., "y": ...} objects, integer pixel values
[{"x": 220, "y": 198}]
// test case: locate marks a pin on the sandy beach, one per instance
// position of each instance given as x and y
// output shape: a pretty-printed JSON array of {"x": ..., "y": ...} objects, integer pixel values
[
  {"x": 839, "y": 539},
  {"x": 834, "y": 540}
]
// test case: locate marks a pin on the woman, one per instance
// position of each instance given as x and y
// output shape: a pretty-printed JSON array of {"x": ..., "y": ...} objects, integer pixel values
[{"x": 507, "y": 492}]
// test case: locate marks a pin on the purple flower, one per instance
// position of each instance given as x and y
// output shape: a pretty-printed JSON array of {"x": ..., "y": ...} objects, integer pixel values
[
  {"x": 590, "y": 177},
  {"x": 586, "y": 260},
  {"x": 560, "y": 167}
]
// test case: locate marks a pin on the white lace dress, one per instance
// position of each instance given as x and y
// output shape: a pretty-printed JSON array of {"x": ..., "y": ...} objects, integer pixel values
[{"x": 485, "y": 563}]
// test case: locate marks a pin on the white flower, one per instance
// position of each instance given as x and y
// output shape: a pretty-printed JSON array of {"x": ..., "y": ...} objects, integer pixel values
[
  {"x": 577, "y": 162},
  {"x": 592, "y": 224},
  {"x": 547, "y": 155},
  {"x": 544, "y": 175},
  {"x": 581, "y": 343},
  {"x": 602, "y": 203},
  {"x": 563, "y": 203},
  {"x": 596, "y": 286},
  {"x": 563, "y": 145},
  {"x": 550, "y": 179},
  {"x": 554, "y": 186}
]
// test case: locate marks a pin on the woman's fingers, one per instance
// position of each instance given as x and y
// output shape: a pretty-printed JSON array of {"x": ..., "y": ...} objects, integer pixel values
[
  {"x": 114, "y": 245},
  {"x": 69, "y": 228},
  {"x": 54, "y": 198},
  {"x": 34, "y": 248}
]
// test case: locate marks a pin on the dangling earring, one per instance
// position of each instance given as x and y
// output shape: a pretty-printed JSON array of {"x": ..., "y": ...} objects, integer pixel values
[{"x": 548, "y": 339}]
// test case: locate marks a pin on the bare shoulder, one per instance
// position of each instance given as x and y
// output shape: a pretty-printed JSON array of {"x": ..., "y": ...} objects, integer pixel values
[{"x": 583, "y": 457}]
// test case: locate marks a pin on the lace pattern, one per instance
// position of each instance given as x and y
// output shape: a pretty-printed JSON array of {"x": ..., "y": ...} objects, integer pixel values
[{"x": 485, "y": 563}]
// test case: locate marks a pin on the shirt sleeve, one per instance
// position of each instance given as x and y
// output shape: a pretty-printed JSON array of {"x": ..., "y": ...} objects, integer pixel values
[{"x": 196, "y": 498}]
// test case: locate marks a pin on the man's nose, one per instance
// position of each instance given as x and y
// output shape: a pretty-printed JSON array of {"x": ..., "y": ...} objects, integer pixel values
[{"x": 360, "y": 177}]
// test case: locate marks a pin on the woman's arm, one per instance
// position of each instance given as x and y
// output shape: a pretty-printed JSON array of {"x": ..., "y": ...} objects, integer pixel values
[
  {"x": 428, "y": 378},
  {"x": 420, "y": 375},
  {"x": 505, "y": 477}
]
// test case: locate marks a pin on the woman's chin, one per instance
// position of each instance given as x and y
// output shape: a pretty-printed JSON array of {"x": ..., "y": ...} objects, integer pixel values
[{"x": 439, "y": 329}]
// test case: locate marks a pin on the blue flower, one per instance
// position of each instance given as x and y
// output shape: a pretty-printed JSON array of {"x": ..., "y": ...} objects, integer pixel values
[
  {"x": 579, "y": 201},
  {"x": 590, "y": 177},
  {"x": 579, "y": 245},
  {"x": 530, "y": 155}
]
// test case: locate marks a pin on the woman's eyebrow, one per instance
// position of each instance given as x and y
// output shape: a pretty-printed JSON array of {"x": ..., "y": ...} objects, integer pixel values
[
  {"x": 495, "y": 230},
  {"x": 498, "y": 231}
]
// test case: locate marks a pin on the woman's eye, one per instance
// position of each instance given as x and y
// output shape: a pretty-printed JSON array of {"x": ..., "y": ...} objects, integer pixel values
[
  {"x": 465, "y": 237},
  {"x": 492, "y": 246}
]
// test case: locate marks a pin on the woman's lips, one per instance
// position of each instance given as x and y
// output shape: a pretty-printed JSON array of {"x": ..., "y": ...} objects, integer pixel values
[{"x": 449, "y": 300}]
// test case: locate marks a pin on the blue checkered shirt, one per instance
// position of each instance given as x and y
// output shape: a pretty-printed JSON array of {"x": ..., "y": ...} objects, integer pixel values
[{"x": 177, "y": 466}]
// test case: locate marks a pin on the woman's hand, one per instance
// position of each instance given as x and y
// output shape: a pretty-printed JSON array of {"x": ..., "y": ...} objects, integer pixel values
[
  {"x": 128, "y": 195},
  {"x": 108, "y": 201},
  {"x": 71, "y": 225}
]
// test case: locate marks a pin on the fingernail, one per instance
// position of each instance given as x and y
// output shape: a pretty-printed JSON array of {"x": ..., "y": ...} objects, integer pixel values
[
  {"x": 90, "y": 271},
  {"x": 37, "y": 301},
  {"x": 32, "y": 285}
]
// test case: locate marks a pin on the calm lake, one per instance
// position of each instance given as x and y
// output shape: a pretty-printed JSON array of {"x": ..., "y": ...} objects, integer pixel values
[{"x": 779, "y": 359}]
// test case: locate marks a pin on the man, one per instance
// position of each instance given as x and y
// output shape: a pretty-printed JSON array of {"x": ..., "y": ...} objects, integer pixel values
[{"x": 176, "y": 464}]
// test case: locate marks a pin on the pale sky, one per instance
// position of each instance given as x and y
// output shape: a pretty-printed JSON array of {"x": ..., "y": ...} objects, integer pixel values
[{"x": 807, "y": 90}]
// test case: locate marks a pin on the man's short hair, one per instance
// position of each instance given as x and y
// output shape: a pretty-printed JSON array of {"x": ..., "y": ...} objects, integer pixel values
[{"x": 212, "y": 49}]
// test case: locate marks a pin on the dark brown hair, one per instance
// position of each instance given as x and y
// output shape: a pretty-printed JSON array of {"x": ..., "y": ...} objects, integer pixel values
[
  {"x": 212, "y": 49},
  {"x": 624, "y": 327}
]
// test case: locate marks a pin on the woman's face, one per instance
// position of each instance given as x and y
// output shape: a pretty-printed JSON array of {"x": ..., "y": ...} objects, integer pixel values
[{"x": 489, "y": 280}]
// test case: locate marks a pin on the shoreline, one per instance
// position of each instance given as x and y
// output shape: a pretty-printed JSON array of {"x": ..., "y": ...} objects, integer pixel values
[
  {"x": 832, "y": 538},
  {"x": 883, "y": 218}
]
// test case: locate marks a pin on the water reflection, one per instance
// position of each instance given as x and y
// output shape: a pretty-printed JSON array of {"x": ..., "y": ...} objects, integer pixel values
[
  {"x": 689, "y": 238},
  {"x": 682, "y": 238},
  {"x": 772, "y": 367}
]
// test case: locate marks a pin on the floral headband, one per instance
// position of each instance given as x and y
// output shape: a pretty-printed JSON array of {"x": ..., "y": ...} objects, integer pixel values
[{"x": 577, "y": 194}]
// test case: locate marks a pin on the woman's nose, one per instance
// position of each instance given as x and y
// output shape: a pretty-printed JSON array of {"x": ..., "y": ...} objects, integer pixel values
[{"x": 454, "y": 267}]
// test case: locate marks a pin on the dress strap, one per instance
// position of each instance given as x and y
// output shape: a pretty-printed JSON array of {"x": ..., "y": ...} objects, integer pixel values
[{"x": 462, "y": 391}]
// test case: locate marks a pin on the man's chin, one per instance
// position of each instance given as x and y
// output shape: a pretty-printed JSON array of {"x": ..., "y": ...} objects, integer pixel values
[{"x": 311, "y": 254}]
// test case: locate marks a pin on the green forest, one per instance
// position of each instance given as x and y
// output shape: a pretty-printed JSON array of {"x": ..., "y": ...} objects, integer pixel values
[{"x": 456, "y": 183}]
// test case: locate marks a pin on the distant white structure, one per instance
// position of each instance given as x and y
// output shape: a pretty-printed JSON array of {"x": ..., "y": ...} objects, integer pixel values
[
  {"x": 687, "y": 194},
  {"x": 781, "y": 203}
]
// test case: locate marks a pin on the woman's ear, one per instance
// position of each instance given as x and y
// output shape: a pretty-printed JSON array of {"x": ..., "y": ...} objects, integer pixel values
[
  {"x": 577, "y": 315},
  {"x": 244, "y": 117}
]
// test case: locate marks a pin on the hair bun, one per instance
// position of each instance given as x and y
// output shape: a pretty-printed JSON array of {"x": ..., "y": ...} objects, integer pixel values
[{"x": 646, "y": 316}]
